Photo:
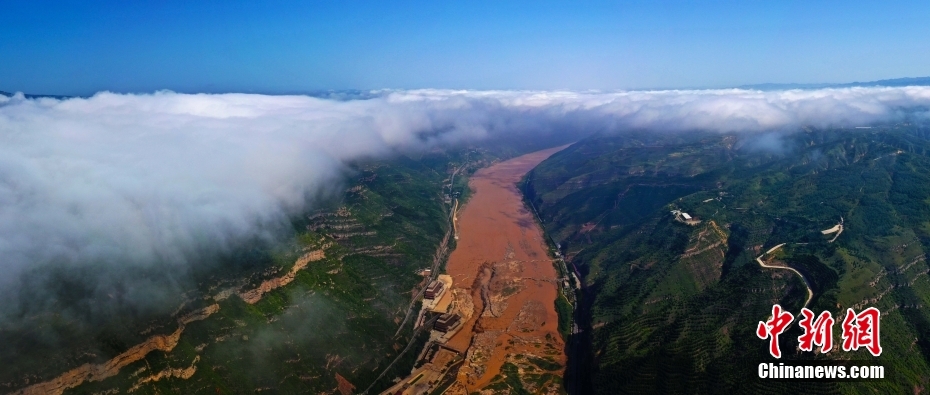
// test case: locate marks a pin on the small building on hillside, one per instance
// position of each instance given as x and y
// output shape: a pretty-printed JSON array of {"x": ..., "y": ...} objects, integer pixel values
[
  {"x": 433, "y": 289},
  {"x": 446, "y": 322},
  {"x": 685, "y": 218}
]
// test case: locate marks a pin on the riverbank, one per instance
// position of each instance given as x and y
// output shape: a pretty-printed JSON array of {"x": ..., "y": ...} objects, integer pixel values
[{"x": 501, "y": 263}]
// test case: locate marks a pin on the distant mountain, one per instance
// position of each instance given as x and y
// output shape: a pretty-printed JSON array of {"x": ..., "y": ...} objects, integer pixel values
[
  {"x": 30, "y": 96},
  {"x": 915, "y": 81},
  {"x": 338, "y": 95},
  {"x": 355, "y": 94}
]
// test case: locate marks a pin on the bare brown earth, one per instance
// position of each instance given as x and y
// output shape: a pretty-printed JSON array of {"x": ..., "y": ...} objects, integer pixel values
[
  {"x": 502, "y": 263},
  {"x": 164, "y": 343},
  {"x": 181, "y": 373},
  {"x": 253, "y": 296},
  {"x": 92, "y": 372}
]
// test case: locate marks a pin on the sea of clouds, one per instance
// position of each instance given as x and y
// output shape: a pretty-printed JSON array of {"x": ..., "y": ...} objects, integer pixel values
[{"x": 131, "y": 179}]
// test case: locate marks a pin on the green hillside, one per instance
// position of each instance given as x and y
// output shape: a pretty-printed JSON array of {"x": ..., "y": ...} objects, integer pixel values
[
  {"x": 341, "y": 319},
  {"x": 672, "y": 308}
]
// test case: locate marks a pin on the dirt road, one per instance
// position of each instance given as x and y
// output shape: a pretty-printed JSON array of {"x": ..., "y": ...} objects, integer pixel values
[
  {"x": 501, "y": 262},
  {"x": 810, "y": 292}
]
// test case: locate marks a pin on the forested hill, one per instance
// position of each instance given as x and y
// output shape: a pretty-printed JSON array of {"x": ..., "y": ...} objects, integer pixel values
[
  {"x": 670, "y": 307},
  {"x": 323, "y": 309}
]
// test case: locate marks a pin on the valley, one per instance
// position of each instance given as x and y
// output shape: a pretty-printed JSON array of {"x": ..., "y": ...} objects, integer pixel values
[{"x": 503, "y": 292}]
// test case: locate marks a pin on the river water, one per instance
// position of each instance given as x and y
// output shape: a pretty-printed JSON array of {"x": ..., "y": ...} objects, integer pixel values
[{"x": 501, "y": 262}]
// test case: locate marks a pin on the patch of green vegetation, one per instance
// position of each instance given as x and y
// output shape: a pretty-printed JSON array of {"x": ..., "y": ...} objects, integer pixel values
[
  {"x": 564, "y": 309},
  {"x": 545, "y": 363},
  {"x": 508, "y": 380}
]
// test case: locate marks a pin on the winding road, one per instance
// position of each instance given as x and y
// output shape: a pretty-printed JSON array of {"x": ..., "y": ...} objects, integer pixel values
[{"x": 810, "y": 292}]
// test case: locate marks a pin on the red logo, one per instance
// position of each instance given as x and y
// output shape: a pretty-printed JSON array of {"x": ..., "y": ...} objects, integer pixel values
[
  {"x": 774, "y": 327},
  {"x": 816, "y": 332},
  {"x": 859, "y": 330}
]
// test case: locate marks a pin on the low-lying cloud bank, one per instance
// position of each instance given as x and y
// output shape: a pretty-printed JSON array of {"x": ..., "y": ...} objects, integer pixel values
[{"x": 125, "y": 179}]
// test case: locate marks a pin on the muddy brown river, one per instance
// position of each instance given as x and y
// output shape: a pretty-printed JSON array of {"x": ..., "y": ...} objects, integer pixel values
[{"x": 501, "y": 262}]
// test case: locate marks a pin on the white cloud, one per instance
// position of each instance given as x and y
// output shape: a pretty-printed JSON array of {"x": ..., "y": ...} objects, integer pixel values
[{"x": 123, "y": 178}]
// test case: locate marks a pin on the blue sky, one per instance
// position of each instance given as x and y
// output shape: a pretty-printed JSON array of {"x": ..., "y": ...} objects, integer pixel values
[{"x": 276, "y": 47}]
